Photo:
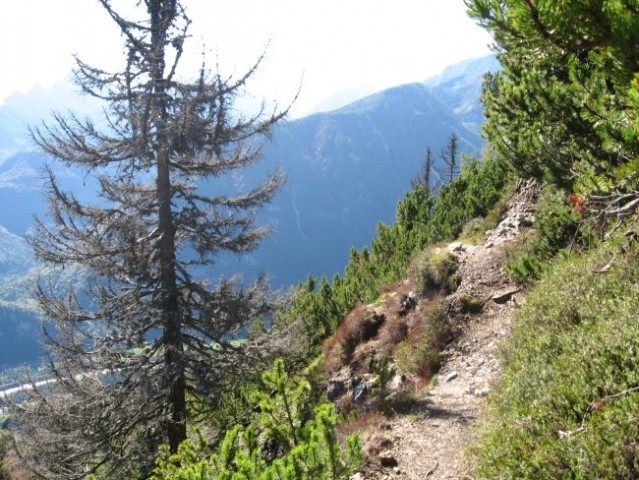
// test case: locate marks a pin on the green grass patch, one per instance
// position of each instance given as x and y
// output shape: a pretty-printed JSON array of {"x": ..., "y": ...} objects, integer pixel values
[
  {"x": 565, "y": 407},
  {"x": 558, "y": 229},
  {"x": 436, "y": 269}
]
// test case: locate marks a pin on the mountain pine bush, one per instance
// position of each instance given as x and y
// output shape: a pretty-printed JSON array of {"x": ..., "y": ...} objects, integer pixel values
[{"x": 285, "y": 441}]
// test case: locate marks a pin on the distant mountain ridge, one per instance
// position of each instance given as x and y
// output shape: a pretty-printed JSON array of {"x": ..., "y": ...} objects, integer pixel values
[
  {"x": 21, "y": 110},
  {"x": 459, "y": 86},
  {"x": 346, "y": 171}
]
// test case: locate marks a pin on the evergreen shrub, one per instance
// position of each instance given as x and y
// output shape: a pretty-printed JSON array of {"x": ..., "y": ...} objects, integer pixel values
[{"x": 285, "y": 441}]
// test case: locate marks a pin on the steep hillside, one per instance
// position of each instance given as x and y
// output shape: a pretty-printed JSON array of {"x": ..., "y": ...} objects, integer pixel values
[
  {"x": 427, "y": 431},
  {"x": 19, "y": 327}
]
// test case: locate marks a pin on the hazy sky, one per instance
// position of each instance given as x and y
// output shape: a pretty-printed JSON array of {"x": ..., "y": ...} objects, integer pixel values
[{"x": 330, "y": 47}]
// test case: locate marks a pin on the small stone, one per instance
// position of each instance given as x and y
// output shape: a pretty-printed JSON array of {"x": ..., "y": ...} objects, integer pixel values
[
  {"x": 482, "y": 392},
  {"x": 503, "y": 295},
  {"x": 456, "y": 247},
  {"x": 357, "y": 476},
  {"x": 451, "y": 376},
  {"x": 396, "y": 383},
  {"x": 397, "y": 470}
]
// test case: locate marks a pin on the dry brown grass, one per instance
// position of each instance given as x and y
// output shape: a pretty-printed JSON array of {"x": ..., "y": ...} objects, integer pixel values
[
  {"x": 361, "y": 325},
  {"x": 427, "y": 335},
  {"x": 392, "y": 332},
  {"x": 365, "y": 424},
  {"x": 415, "y": 335}
]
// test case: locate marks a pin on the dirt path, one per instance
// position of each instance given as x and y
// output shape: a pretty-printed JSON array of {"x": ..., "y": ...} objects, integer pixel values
[{"x": 429, "y": 440}]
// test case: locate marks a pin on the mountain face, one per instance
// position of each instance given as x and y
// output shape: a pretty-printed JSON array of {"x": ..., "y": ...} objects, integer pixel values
[
  {"x": 18, "y": 321},
  {"x": 346, "y": 171},
  {"x": 459, "y": 87},
  {"x": 29, "y": 109}
]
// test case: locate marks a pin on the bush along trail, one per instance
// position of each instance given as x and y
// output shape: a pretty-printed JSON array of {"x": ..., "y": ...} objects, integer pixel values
[{"x": 426, "y": 434}]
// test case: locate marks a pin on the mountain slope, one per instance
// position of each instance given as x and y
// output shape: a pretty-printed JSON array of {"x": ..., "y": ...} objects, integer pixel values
[
  {"x": 459, "y": 86},
  {"x": 430, "y": 435},
  {"x": 347, "y": 170}
]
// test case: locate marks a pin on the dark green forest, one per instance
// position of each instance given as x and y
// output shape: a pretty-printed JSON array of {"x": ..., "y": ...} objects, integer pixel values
[{"x": 232, "y": 385}]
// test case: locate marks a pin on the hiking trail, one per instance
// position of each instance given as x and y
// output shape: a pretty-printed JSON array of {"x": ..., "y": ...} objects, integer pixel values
[{"x": 428, "y": 441}]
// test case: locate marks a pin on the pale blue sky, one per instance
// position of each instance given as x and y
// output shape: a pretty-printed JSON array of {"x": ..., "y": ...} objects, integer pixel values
[{"x": 330, "y": 46}]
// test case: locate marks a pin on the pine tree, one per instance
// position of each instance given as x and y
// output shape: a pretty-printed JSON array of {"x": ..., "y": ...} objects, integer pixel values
[
  {"x": 306, "y": 443},
  {"x": 561, "y": 107},
  {"x": 148, "y": 342}
]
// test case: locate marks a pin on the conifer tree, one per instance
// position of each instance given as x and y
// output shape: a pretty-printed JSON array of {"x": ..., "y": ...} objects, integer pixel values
[
  {"x": 148, "y": 342},
  {"x": 561, "y": 107},
  {"x": 423, "y": 178},
  {"x": 306, "y": 443}
]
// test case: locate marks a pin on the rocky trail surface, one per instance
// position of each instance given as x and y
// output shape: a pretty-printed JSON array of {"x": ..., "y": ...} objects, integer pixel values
[{"x": 428, "y": 440}]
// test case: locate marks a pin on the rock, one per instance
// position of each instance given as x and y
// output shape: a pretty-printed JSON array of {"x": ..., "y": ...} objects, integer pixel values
[
  {"x": 451, "y": 376},
  {"x": 387, "y": 459},
  {"x": 505, "y": 294},
  {"x": 271, "y": 449},
  {"x": 335, "y": 389},
  {"x": 525, "y": 221},
  {"x": 396, "y": 383},
  {"x": 407, "y": 303},
  {"x": 360, "y": 387},
  {"x": 482, "y": 392},
  {"x": 456, "y": 247}
]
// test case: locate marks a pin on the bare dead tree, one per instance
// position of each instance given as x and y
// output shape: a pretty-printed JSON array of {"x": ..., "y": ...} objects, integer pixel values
[
  {"x": 449, "y": 155},
  {"x": 423, "y": 178},
  {"x": 148, "y": 343}
]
